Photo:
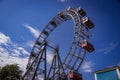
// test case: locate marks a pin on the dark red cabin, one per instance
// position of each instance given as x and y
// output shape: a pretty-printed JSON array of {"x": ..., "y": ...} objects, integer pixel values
[
  {"x": 45, "y": 32},
  {"x": 88, "y": 22},
  {"x": 74, "y": 75},
  {"x": 87, "y": 46},
  {"x": 53, "y": 23},
  {"x": 62, "y": 16},
  {"x": 81, "y": 11}
]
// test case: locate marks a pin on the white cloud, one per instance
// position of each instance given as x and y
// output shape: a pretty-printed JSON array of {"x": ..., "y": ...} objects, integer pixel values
[
  {"x": 108, "y": 49},
  {"x": 87, "y": 67},
  {"x": 11, "y": 53},
  {"x": 4, "y": 39},
  {"x": 32, "y": 30},
  {"x": 23, "y": 50}
]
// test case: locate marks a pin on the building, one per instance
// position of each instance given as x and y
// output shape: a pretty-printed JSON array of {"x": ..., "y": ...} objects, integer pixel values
[{"x": 112, "y": 73}]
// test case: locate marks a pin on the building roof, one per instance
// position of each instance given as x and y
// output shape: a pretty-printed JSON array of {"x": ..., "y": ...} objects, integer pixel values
[{"x": 107, "y": 69}]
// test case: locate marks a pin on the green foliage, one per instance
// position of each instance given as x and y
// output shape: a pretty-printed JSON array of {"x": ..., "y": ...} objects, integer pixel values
[{"x": 10, "y": 72}]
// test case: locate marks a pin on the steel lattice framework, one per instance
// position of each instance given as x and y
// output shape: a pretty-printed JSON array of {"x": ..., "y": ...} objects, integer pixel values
[{"x": 37, "y": 65}]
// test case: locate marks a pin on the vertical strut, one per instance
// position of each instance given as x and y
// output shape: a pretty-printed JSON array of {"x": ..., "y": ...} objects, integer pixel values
[
  {"x": 35, "y": 73},
  {"x": 56, "y": 71}
]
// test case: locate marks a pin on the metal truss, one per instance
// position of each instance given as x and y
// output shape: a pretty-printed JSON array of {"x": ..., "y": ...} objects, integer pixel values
[
  {"x": 56, "y": 71},
  {"x": 37, "y": 66}
]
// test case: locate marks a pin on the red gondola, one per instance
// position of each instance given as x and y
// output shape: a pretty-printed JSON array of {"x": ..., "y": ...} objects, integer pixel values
[
  {"x": 81, "y": 12},
  {"x": 87, "y": 46},
  {"x": 88, "y": 22},
  {"x": 74, "y": 75}
]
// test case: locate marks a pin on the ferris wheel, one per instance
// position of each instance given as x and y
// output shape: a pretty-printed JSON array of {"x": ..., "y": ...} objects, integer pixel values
[{"x": 39, "y": 69}]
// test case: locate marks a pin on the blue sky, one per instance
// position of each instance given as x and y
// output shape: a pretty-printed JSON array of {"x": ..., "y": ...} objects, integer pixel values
[{"x": 22, "y": 20}]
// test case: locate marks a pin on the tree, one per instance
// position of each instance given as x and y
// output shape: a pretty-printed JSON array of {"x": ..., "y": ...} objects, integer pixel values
[{"x": 10, "y": 72}]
